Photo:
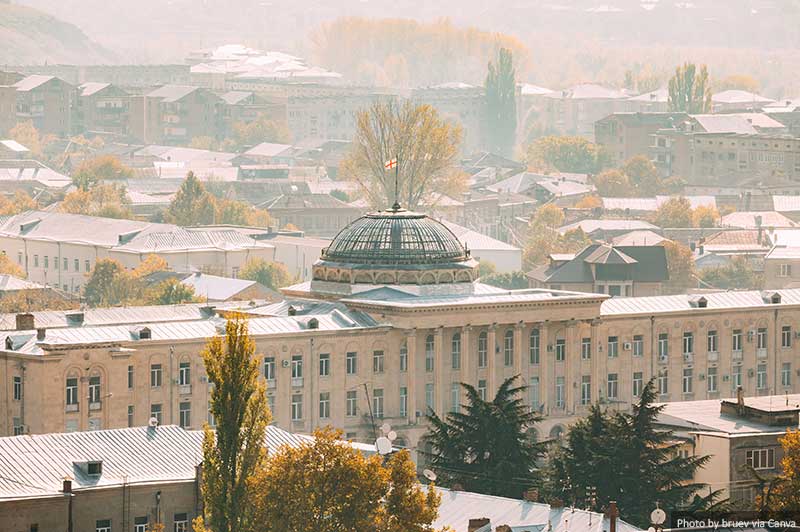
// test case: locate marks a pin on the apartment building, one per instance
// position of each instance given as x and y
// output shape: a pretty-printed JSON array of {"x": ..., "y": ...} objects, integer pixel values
[
  {"x": 627, "y": 134},
  {"x": 574, "y": 111},
  {"x": 176, "y": 114},
  {"x": 102, "y": 108},
  {"x": 376, "y": 338},
  {"x": 48, "y": 102}
]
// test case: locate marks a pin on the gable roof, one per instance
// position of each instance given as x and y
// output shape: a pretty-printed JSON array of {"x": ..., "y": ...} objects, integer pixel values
[
  {"x": 31, "y": 82},
  {"x": 589, "y": 226},
  {"x": 92, "y": 87},
  {"x": 644, "y": 264},
  {"x": 724, "y": 124},
  {"x": 739, "y": 96},
  {"x": 747, "y": 220},
  {"x": 172, "y": 93},
  {"x": 638, "y": 238},
  {"x": 234, "y": 97}
]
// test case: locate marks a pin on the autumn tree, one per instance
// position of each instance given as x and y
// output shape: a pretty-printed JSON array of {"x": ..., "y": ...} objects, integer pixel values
[
  {"x": 675, "y": 212},
  {"x": 103, "y": 167},
  {"x": 169, "y": 292},
  {"x": 19, "y": 202},
  {"x": 612, "y": 183},
  {"x": 150, "y": 264},
  {"x": 487, "y": 447},
  {"x": 737, "y": 82},
  {"x": 690, "y": 90},
  {"x": 784, "y": 494},
  {"x": 270, "y": 274},
  {"x": 643, "y": 175},
  {"x": 739, "y": 274},
  {"x": 424, "y": 144},
  {"x": 8, "y": 267},
  {"x": 680, "y": 265},
  {"x": 26, "y": 134},
  {"x": 565, "y": 154},
  {"x": 705, "y": 216},
  {"x": 107, "y": 200},
  {"x": 262, "y": 129},
  {"x": 234, "y": 452},
  {"x": 192, "y": 204},
  {"x": 589, "y": 202},
  {"x": 233, "y": 212},
  {"x": 501, "y": 103},
  {"x": 510, "y": 280},
  {"x": 544, "y": 238},
  {"x": 109, "y": 284},
  {"x": 35, "y": 300},
  {"x": 327, "y": 485}
]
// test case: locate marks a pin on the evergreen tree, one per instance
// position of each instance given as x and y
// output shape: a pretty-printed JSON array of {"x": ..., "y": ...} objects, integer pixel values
[
  {"x": 486, "y": 448},
  {"x": 689, "y": 90},
  {"x": 501, "y": 103},
  {"x": 192, "y": 204},
  {"x": 234, "y": 452}
]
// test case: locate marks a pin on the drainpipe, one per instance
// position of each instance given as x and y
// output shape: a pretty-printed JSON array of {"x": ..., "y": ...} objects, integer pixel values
[
  {"x": 22, "y": 395},
  {"x": 653, "y": 353},
  {"x": 171, "y": 387}
]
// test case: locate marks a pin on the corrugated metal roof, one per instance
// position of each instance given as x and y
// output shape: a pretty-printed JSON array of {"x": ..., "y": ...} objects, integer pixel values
[
  {"x": 745, "y": 299},
  {"x": 476, "y": 298}
]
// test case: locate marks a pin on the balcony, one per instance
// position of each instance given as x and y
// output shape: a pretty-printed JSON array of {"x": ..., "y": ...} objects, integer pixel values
[
  {"x": 688, "y": 358},
  {"x": 761, "y": 352},
  {"x": 271, "y": 383},
  {"x": 713, "y": 356},
  {"x": 185, "y": 389},
  {"x": 737, "y": 355},
  {"x": 94, "y": 406},
  {"x": 663, "y": 359},
  {"x": 72, "y": 408},
  {"x": 297, "y": 382}
]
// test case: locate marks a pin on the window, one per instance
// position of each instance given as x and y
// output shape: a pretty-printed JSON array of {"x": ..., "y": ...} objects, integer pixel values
[
  {"x": 736, "y": 342},
  {"x": 533, "y": 389},
  {"x": 185, "y": 414},
  {"x": 66, "y": 264},
  {"x": 72, "y": 391},
  {"x": 377, "y": 402},
  {"x": 324, "y": 364},
  {"x": 351, "y": 405},
  {"x": 586, "y": 348},
  {"x": 130, "y": 377},
  {"x": 760, "y": 458},
  {"x": 534, "y": 349},
  {"x": 638, "y": 345},
  {"x": 455, "y": 399},
  {"x": 103, "y": 525},
  {"x": 561, "y": 349},
  {"x": 181, "y": 522},
  {"x": 87, "y": 266},
  {"x": 786, "y": 270},
  {"x": 155, "y": 375},
  {"x": 586, "y": 389},
  {"x": 18, "y": 428},
  {"x": 403, "y": 401},
  {"x": 55, "y": 263},
  {"x": 613, "y": 386},
  {"x": 351, "y": 363},
  {"x": 761, "y": 376},
  {"x": 36, "y": 261},
  {"x": 404, "y": 357},
  {"x": 184, "y": 374},
  {"x": 482, "y": 389},
  {"x": 687, "y": 380},
  {"x": 17, "y": 388},
  {"x": 711, "y": 341},
  {"x": 508, "y": 348},
  {"x": 786, "y": 374},
  {"x": 377, "y": 361},
  {"x": 269, "y": 368},
  {"x": 94, "y": 389},
  {"x": 155, "y": 411},
  {"x": 429, "y": 347},
  {"x": 786, "y": 336},
  {"x": 130, "y": 415},
  {"x": 737, "y": 377},
  {"x": 559, "y": 392},
  {"x": 77, "y": 265},
  {"x": 297, "y": 366},
  {"x": 688, "y": 343},
  {"x": 455, "y": 351},
  {"x": 483, "y": 343},
  {"x": 637, "y": 384},
  {"x": 613, "y": 347},
  {"x": 297, "y": 407},
  {"x": 711, "y": 380},
  {"x": 429, "y": 396},
  {"x": 663, "y": 346},
  {"x": 761, "y": 338},
  {"x": 324, "y": 405},
  {"x": 663, "y": 383}
]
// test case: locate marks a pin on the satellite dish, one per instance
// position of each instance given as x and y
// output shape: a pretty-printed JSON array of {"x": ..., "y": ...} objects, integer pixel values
[
  {"x": 153, "y": 422},
  {"x": 392, "y": 435},
  {"x": 430, "y": 475},
  {"x": 383, "y": 445},
  {"x": 658, "y": 516},
  {"x": 385, "y": 428}
]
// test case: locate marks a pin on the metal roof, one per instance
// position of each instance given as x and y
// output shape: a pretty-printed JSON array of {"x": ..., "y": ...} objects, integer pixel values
[
  {"x": 739, "y": 96},
  {"x": 31, "y": 82},
  {"x": 475, "y": 241},
  {"x": 746, "y": 299},
  {"x": 705, "y": 415},
  {"x": 172, "y": 93},
  {"x": 747, "y": 220},
  {"x": 478, "y": 297}
]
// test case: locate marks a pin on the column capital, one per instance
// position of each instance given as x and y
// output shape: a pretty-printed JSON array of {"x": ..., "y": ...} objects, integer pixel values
[{"x": 519, "y": 325}]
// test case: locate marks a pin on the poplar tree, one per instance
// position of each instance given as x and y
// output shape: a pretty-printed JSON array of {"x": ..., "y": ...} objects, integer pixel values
[
  {"x": 690, "y": 90},
  {"x": 235, "y": 451},
  {"x": 501, "y": 103}
]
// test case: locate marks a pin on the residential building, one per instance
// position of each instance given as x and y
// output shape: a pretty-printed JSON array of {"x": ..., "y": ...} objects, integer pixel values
[
  {"x": 216, "y": 289},
  {"x": 399, "y": 286},
  {"x": 738, "y": 435},
  {"x": 176, "y": 114},
  {"x": 782, "y": 267},
  {"x": 11, "y": 149},
  {"x": 656, "y": 101},
  {"x": 48, "y": 102},
  {"x": 531, "y": 104},
  {"x": 461, "y": 104},
  {"x": 756, "y": 220},
  {"x": 102, "y": 108},
  {"x": 319, "y": 215},
  {"x": 738, "y": 100},
  {"x": 505, "y": 257},
  {"x": 574, "y": 111},
  {"x": 605, "y": 269},
  {"x": 8, "y": 107},
  {"x": 245, "y": 107},
  {"x": 626, "y": 134},
  {"x": 648, "y": 206},
  {"x": 607, "y": 229}
]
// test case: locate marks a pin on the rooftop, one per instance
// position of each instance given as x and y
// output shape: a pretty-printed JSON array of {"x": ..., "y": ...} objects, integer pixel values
[
  {"x": 755, "y": 219},
  {"x": 739, "y": 96},
  {"x": 172, "y": 93},
  {"x": 591, "y": 225},
  {"x": 31, "y": 82},
  {"x": 730, "y": 300},
  {"x": 638, "y": 238},
  {"x": 92, "y": 87},
  {"x": 477, "y": 241},
  {"x": 724, "y": 124}
]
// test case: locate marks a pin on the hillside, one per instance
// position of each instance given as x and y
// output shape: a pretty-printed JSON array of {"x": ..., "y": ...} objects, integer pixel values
[{"x": 30, "y": 36}]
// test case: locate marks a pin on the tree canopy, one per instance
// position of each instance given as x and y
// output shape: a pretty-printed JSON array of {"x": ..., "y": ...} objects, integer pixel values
[
  {"x": 565, "y": 154},
  {"x": 270, "y": 274},
  {"x": 543, "y": 237},
  {"x": 690, "y": 90},
  {"x": 100, "y": 168},
  {"x": 738, "y": 275},
  {"x": 680, "y": 265},
  {"x": 108, "y": 200}
]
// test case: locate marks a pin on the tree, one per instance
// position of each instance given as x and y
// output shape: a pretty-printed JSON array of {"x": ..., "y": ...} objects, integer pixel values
[
  {"x": 192, "y": 204},
  {"x": 487, "y": 448},
  {"x": 643, "y": 175},
  {"x": 262, "y": 129},
  {"x": 424, "y": 144},
  {"x": 35, "y": 300},
  {"x": 705, "y": 216},
  {"x": 204, "y": 143},
  {"x": 110, "y": 284},
  {"x": 501, "y": 103},
  {"x": 544, "y": 238},
  {"x": 233, "y": 453},
  {"x": 7, "y": 267},
  {"x": 511, "y": 281},
  {"x": 612, "y": 183},
  {"x": 152, "y": 263},
  {"x": 589, "y": 202},
  {"x": 326, "y": 485},
  {"x": 100, "y": 168},
  {"x": 626, "y": 457},
  {"x": 270, "y": 274},
  {"x": 680, "y": 265},
  {"x": 737, "y": 82},
  {"x": 170, "y": 292},
  {"x": 107, "y": 200},
  {"x": 738, "y": 275},
  {"x": 26, "y": 134},
  {"x": 675, "y": 212},
  {"x": 20, "y": 202},
  {"x": 689, "y": 90},
  {"x": 785, "y": 495},
  {"x": 234, "y": 212},
  {"x": 565, "y": 154}
]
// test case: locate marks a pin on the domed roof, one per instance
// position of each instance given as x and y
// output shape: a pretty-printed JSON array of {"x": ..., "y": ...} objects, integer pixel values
[{"x": 395, "y": 237}]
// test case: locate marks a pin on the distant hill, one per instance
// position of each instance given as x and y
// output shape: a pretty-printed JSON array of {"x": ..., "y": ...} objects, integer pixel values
[{"x": 30, "y": 36}]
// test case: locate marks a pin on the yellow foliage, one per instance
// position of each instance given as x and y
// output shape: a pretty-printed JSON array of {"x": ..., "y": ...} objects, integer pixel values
[
  {"x": 152, "y": 263},
  {"x": 589, "y": 202},
  {"x": 20, "y": 202},
  {"x": 785, "y": 495},
  {"x": 8, "y": 267}
]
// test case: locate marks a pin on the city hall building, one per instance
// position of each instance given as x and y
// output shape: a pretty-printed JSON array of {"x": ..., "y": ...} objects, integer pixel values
[{"x": 393, "y": 320}]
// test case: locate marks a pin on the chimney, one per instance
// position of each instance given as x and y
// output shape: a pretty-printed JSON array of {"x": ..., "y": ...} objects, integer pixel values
[
  {"x": 612, "y": 514},
  {"x": 41, "y": 332},
  {"x": 67, "y": 486},
  {"x": 740, "y": 400},
  {"x": 25, "y": 322},
  {"x": 503, "y": 528},
  {"x": 477, "y": 524}
]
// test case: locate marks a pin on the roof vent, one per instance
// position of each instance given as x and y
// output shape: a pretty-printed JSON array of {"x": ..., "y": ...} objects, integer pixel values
[
  {"x": 291, "y": 311},
  {"x": 27, "y": 226},
  {"x": 313, "y": 323},
  {"x": 41, "y": 333},
  {"x": 771, "y": 297},
  {"x": 141, "y": 333},
  {"x": 25, "y": 322},
  {"x": 75, "y": 319},
  {"x": 698, "y": 301},
  {"x": 124, "y": 238},
  {"x": 208, "y": 311}
]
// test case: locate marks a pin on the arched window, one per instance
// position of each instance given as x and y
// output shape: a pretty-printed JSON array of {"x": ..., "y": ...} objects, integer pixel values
[
  {"x": 557, "y": 433},
  {"x": 483, "y": 343},
  {"x": 429, "y": 353},
  {"x": 455, "y": 351},
  {"x": 508, "y": 348},
  {"x": 404, "y": 356}
]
